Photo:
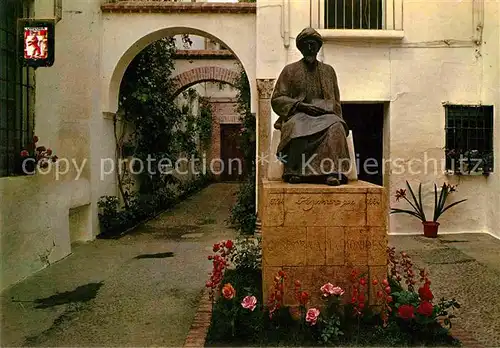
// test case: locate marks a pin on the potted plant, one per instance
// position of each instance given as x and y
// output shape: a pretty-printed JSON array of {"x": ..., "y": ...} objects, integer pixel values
[
  {"x": 38, "y": 157},
  {"x": 430, "y": 227}
]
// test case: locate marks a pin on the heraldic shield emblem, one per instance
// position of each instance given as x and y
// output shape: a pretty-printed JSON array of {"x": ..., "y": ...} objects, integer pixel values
[{"x": 36, "y": 42}]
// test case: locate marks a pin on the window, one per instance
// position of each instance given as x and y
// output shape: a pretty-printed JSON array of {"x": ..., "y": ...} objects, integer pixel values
[
  {"x": 353, "y": 14},
  {"x": 16, "y": 90},
  {"x": 469, "y": 139},
  {"x": 357, "y": 14}
]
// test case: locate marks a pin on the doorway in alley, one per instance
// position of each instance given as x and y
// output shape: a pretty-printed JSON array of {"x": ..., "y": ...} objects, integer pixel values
[
  {"x": 231, "y": 153},
  {"x": 366, "y": 122}
]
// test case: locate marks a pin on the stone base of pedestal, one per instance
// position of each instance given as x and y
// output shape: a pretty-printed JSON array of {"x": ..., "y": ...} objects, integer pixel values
[{"x": 319, "y": 234}]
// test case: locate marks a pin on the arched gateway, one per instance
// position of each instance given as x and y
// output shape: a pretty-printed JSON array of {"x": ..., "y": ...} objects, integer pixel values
[
  {"x": 128, "y": 29},
  {"x": 202, "y": 74}
]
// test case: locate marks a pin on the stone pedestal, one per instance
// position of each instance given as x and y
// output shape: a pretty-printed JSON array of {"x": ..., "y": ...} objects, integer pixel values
[{"x": 319, "y": 234}]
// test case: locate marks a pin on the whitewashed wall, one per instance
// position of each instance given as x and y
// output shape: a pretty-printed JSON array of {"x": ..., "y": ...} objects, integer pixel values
[{"x": 434, "y": 61}]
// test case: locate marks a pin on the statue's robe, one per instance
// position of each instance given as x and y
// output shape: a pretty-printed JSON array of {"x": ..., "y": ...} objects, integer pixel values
[{"x": 307, "y": 140}]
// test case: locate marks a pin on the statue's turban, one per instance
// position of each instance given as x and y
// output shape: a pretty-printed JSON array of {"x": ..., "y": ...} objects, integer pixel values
[{"x": 308, "y": 33}]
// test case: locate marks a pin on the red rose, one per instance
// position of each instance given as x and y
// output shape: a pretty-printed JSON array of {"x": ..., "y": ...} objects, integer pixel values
[
  {"x": 229, "y": 244},
  {"x": 406, "y": 312},
  {"x": 25, "y": 153},
  {"x": 426, "y": 308},
  {"x": 281, "y": 274},
  {"x": 216, "y": 248},
  {"x": 49, "y": 152},
  {"x": 35, "y": 139},
  {"x": 425, "y": 293}
]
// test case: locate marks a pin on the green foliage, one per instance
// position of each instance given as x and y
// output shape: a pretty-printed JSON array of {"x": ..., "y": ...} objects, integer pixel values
[
  {"x": 205, "y": 121},
  {"x": 243, "y": 215},
  {"x": 247, "y": 324},
  {"x": 247, "y": 139},
  {"x": 405, "y": 297},
  {"x": 114, "y": 220},
  {"x": 331, "y": 331},
  {"x": 248, "y": 254},
  {"x": 334, "y": 326},
  {"x": 160, "y": 130},
  {"x": 443, "y": 310},
  {"x": 417, "y": 206}
]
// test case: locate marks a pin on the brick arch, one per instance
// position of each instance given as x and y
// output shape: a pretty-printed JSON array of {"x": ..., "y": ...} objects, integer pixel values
[{"x": 203, "y": 74}]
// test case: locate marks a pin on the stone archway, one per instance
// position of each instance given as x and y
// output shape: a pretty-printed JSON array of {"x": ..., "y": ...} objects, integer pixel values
[
  {"x": 203, "y": 74},
  {"x": 146, "y": 22}
]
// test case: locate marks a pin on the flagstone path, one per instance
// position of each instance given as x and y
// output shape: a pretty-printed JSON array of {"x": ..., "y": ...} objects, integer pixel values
[{"x": 141, "y": 290}]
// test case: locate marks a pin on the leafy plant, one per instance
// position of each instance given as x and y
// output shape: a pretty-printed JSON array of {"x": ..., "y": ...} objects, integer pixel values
[
  {"x": 248, "y": 254},
  {"x": 243, "y": 215},
  {"x": 417, "y": 206},
  {"x": 439, "y": 207},
  {"x": 331, "y": 330}
]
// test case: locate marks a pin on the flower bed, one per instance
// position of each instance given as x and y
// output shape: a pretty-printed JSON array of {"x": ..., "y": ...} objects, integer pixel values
[{"x": 407, "y": 313}]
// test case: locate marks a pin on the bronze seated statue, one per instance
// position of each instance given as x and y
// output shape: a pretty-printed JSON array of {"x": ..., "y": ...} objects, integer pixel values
[{"x": 313, "y": 144}]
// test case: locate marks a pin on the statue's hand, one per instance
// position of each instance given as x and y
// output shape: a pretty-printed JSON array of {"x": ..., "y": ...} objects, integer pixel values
[{"x": 310, "y": 109}]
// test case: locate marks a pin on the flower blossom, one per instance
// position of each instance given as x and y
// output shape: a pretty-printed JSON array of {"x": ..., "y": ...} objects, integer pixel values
[
  {"x": 425, "y": 293},
  {"x": 228, "y": 291},
  {"x": 406, "y": 312},
  {"x": 328, "y": 289},
  {"x": 249, "y": 302},
  {"x": 425, "y": 308},
  {"x": 312, "y": 316},
  {"x": 401, "y": 193}
]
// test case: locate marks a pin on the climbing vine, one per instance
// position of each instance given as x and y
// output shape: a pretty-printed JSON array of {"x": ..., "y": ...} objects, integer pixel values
[
  {"x": 243, "y": 212},
  {"x": 153, "y": 130}
]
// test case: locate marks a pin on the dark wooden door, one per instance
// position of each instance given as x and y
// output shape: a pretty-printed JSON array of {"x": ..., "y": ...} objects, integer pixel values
[
  {"x": 366, "y": 122},
  {"x": 231, "y": 153}
]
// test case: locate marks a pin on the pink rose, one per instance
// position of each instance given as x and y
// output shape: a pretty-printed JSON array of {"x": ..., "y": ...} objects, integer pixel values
[
  {"x": 328, "y": 289},
  {"x": 249, "y": 302},
  {"x": 312, "y": 315},
  {"x": 337, "y": 291}
]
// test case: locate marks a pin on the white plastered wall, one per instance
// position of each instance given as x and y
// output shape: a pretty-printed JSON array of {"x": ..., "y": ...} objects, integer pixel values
[{"x": 436, "y": 61}]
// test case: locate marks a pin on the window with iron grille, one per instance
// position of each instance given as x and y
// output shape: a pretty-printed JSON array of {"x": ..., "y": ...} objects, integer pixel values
[
  {"x": 353, "y": 14},
  {"x": 16, "y": 90},
  {"x": 469, "y": 138}
]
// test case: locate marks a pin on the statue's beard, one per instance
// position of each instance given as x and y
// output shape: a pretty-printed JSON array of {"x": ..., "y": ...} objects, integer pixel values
[{"x": 310, "y": 59}]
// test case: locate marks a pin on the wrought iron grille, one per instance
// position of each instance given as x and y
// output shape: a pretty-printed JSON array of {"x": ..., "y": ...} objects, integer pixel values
[
  {"x": 16, "y": 89},
  {"x": 353, "y": 14},
  {"x": 469, "y": 138}
]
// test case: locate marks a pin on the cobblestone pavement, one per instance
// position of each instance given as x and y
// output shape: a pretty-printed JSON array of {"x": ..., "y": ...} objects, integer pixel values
[
  {"x": 140, "y": 290},
  {"x": 467, "y": 267}
]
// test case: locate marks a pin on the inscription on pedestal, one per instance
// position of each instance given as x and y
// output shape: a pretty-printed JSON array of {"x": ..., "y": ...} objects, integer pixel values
[
  {"x": 307, "y": 203},
  {"x": 325, "y": 210},
  {"x": 318, "y": 234}
]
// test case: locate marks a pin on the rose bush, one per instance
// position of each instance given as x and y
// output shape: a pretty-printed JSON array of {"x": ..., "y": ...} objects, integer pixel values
[{"x": 406, "y": 314}]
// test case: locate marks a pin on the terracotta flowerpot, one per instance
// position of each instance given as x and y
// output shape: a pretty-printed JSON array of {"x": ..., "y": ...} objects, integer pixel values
[{"x": 430, "y": 229}]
